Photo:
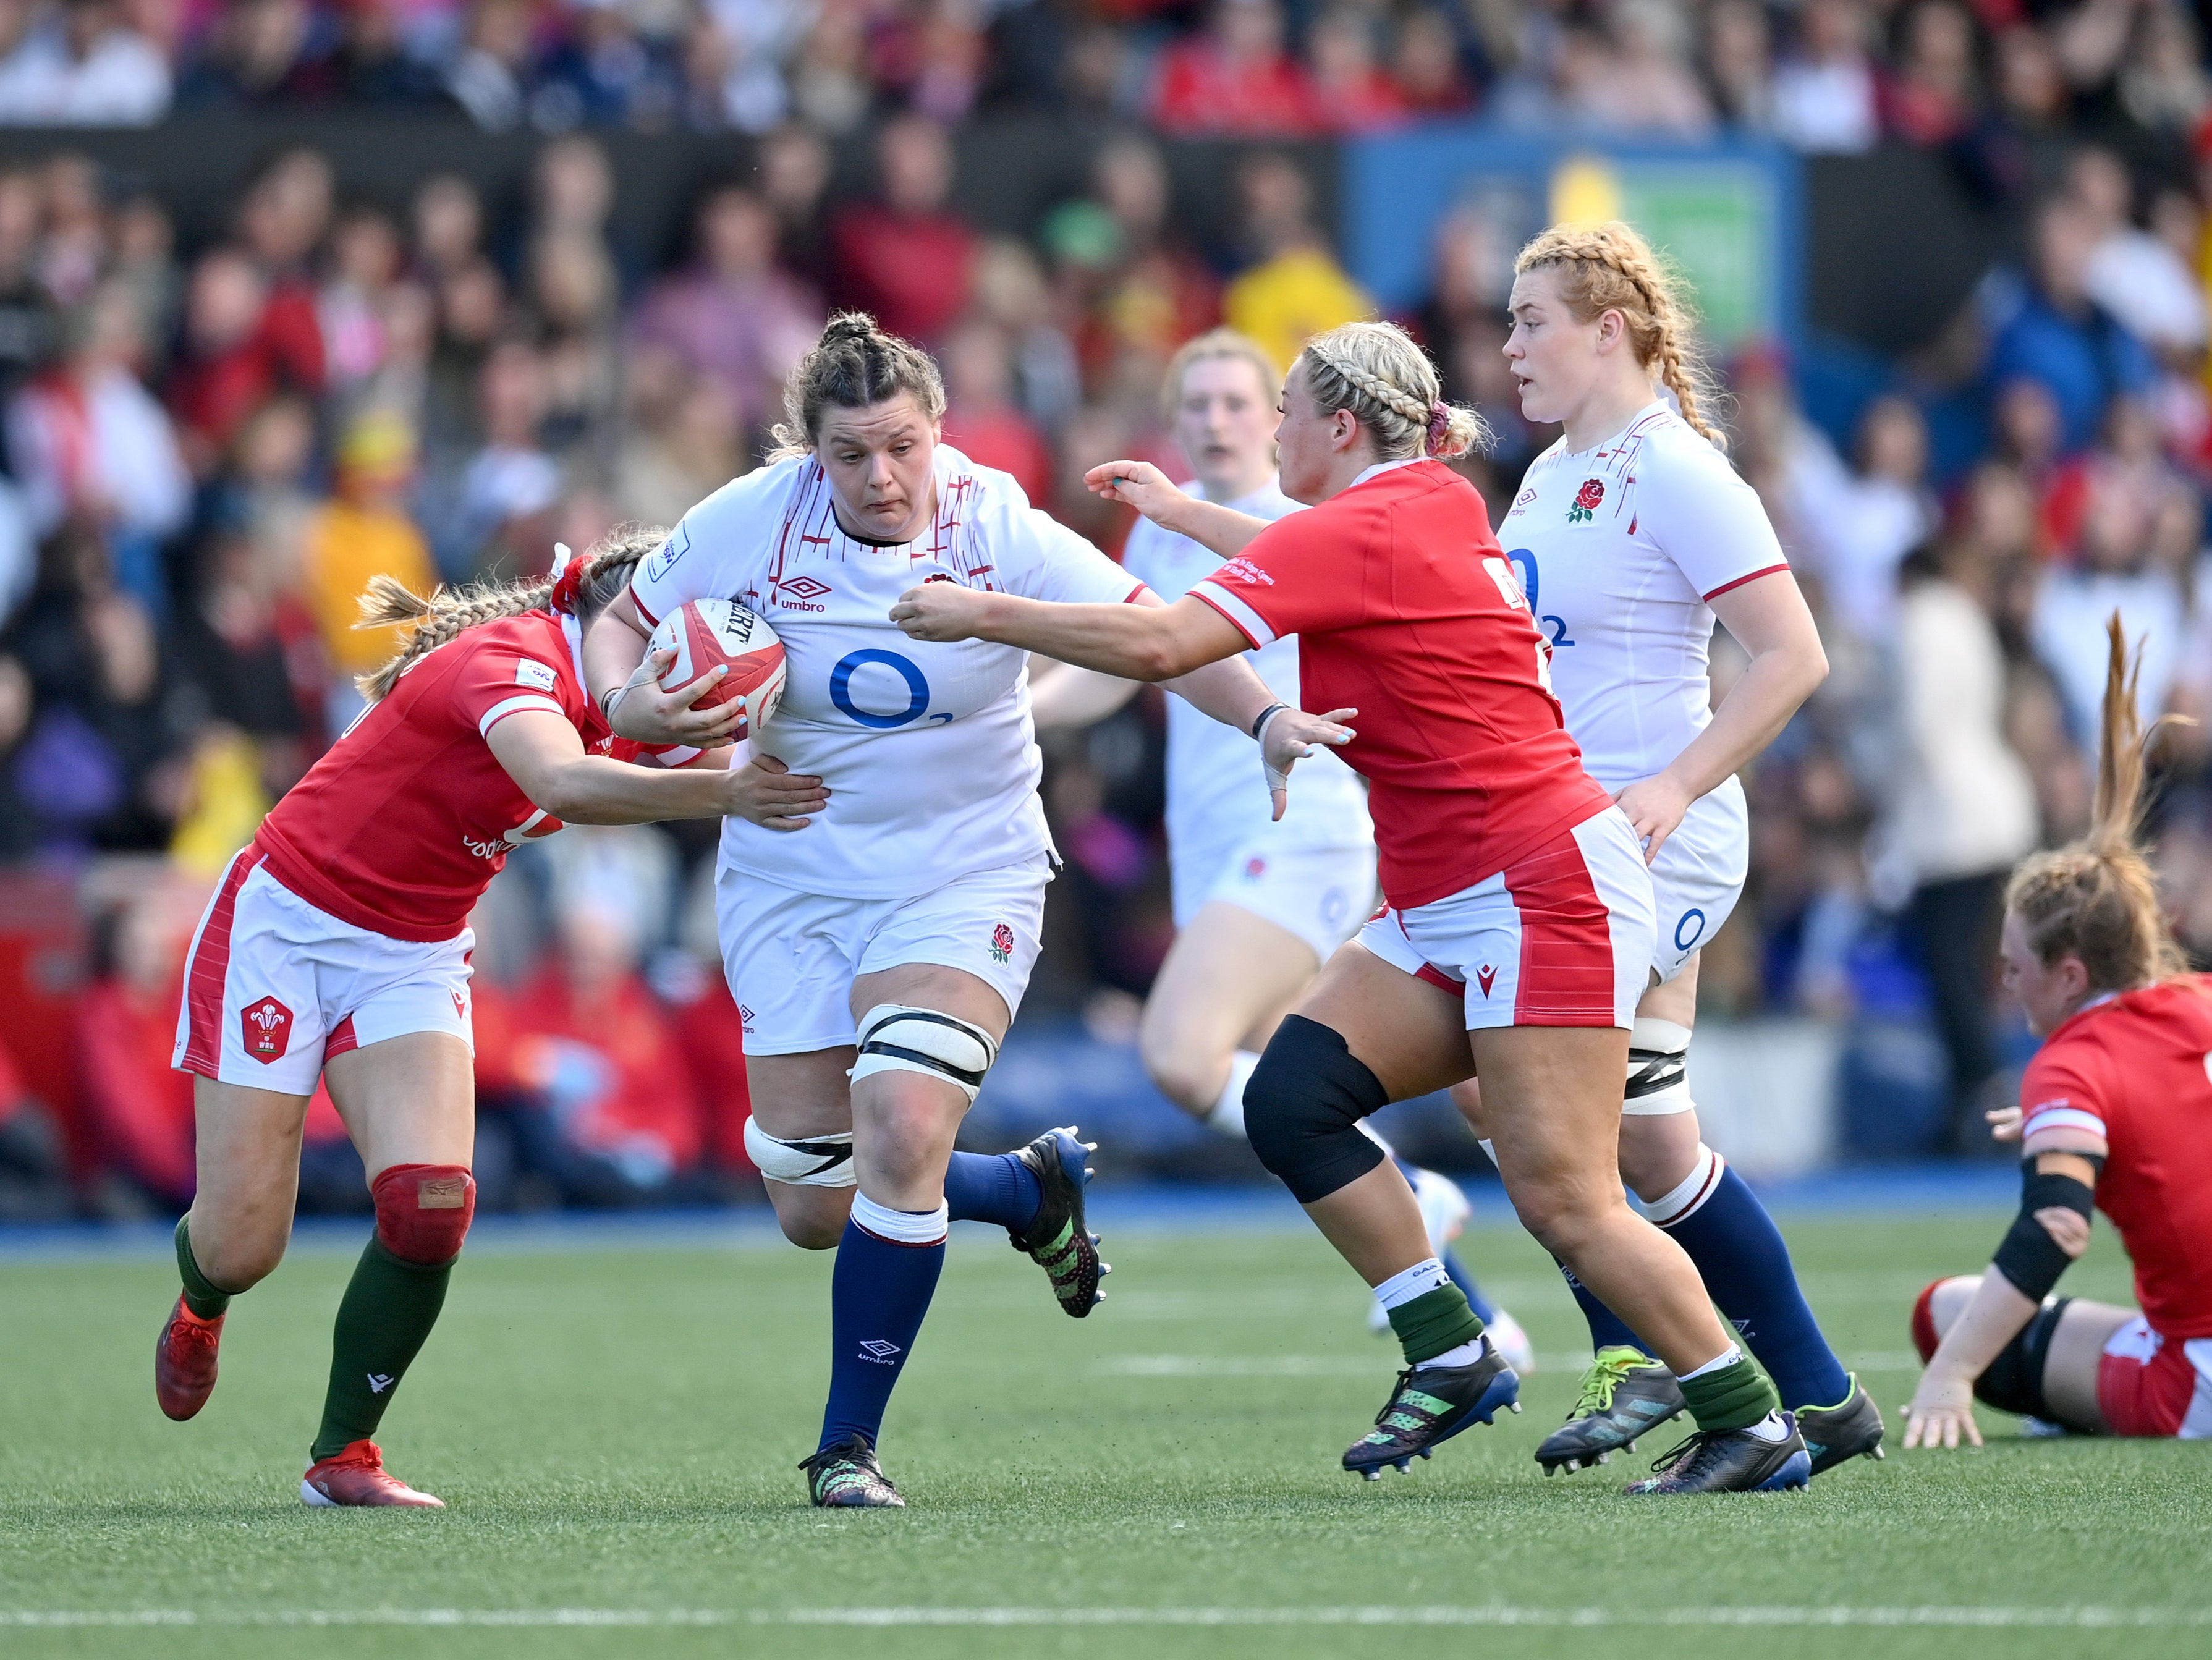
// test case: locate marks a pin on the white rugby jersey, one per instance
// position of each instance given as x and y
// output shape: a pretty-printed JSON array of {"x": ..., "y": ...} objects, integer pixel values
[
  {"x": 1217, "y": 800},
  {"x": 927, "y": 749},
  {"x": 1620, "y": 550}
]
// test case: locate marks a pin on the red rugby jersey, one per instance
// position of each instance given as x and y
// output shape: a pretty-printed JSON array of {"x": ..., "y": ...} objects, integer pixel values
[
  {"x": 402, "y": 824},
  {"x": 2137, "y": 1071},
  {"x": 1406, "y": 610}
]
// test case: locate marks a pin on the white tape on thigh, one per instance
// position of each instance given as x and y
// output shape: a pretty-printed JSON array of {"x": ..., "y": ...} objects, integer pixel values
[
  {"x": 811, "y": 1161},
  {"x": 1658, "y": 1069},
  {"x": 898, "y": 1037}
]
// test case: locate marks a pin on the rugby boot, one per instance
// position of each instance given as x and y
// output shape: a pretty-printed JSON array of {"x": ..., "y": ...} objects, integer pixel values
[
  {"x": 1057, "y": 1239},
  {"x": 846, "y": 1475},
  {"x": 1835, "y": 1434},
  {"x": 1429, "y": 1405},
  {"x": 1731, "y": 1461},
  {"x": 1625, "y": 1394},
  {"x": 356, "y": 1475},
  {"x": 185, "y": 1360}
]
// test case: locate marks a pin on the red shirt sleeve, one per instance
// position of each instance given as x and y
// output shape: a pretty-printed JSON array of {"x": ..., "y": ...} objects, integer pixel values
[
  {"x": 1291, "y": 579},
  {"x": 495, "y": 681},
  {"x": 2060, "y": 1091}
]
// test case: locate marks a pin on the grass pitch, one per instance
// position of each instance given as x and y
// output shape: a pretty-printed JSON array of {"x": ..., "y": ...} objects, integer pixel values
[{"x": 615, "y": 1430}]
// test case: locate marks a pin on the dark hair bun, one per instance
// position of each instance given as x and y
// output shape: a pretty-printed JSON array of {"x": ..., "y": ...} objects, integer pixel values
[{"x": 848, "y": 325}]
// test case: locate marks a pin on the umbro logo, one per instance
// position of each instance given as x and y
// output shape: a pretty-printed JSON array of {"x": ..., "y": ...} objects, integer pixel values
[
  {"x": 804, "y": 587},
  {"x": 875, "y": 1349},
  {"x": 1487, "y": 976},
  {"x": 379, "y": 1382}
]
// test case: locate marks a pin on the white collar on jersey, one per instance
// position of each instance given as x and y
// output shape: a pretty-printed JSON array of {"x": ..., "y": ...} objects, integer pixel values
[
  {"x": 1381, "y": 467},
  {"x": 1613, "y": 438}
]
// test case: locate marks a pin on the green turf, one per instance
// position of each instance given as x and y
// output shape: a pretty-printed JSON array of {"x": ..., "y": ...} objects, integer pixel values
[{"x": 616, "y": 1430}]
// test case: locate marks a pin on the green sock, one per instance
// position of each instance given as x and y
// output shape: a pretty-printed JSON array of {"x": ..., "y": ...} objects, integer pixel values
[
  {"x": 1434, "y": 1321},
  {"x": 1732, "y": 1398},
  {"x": 201, "y": 1295},
  {"x": 389, "y": 1307}
]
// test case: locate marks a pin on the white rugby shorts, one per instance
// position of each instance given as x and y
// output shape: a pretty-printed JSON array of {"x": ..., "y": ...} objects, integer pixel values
[
  {"x": 1321, "y": 895},
  {"x": 274, "y": 986},
  {"x": 791, "y": 958},
  {"x": 1699, "y": 877},
  {"x": 1562, "y": 937}
]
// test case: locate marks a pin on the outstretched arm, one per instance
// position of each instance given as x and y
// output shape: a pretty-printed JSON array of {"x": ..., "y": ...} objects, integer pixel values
[
  {"x": 1146, "y": 488},
  {"x": 1133, "y": 642},
  {"x": 541, "y": 752}
]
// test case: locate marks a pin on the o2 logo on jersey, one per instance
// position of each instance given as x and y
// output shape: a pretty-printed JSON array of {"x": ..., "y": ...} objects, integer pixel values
[
  {"x": 917, "y": 687},
  {"x": 1525, "y": 567},
  {"x": 1689, "y": 930}
]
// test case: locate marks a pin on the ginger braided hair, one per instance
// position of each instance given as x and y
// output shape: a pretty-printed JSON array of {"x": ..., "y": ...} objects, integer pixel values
[
  {"x": 2096, "y": 899},
  {"x": 448, "y": 611},
  {"x": 1377, "y": 373},
  {"x": 1610, "y": 267}
]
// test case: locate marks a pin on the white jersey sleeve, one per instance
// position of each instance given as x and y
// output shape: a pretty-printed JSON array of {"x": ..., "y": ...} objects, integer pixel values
[
  {"x": 715, "y": 552},
  {"x": 1703, "y": 513},
  {"x": 1040, "y": 558}
]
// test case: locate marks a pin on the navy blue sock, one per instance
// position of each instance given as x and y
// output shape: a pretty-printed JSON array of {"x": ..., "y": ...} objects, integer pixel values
[
  {"x": 1747, "y": 1269},
  {"x": 1456, "y": 1270},
  {"x": 878, "y": 1293},
  {"x": 1607, "y": 1329},
  {"x": 992, "y": 1187}
]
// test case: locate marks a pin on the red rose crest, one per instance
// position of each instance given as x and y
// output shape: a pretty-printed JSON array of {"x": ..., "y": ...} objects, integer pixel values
[
  {"x": 1002, "y": 943},
  {"x": 1586, "y": 501}
]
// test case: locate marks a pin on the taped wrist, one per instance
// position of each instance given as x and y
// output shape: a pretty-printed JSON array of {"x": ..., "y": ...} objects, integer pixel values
[
  {"x": 808, "y": 1161},
  {"x": 2027, "y": 1255},
  {"x": 423, "y": 1211},
  {"x": 1303, "y": 1108}
]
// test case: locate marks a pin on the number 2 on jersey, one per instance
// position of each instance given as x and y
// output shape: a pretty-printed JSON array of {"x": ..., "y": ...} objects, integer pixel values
[
  {"x": 1525, "y": 567},
  {"x": 1509, "y": 589}
]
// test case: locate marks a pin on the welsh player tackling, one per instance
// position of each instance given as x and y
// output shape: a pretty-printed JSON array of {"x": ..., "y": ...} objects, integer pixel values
[
  {"x": 1519, "y": 931},
  {"x": 880, "y": 956},
  {"x": 337, "y": 947},
  {"x": 2115, "y": 1114}
]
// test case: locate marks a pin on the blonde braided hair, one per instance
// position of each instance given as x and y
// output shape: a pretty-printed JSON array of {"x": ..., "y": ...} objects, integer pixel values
[
  {"x": 605, "y": 568},
  {"x": 1610, "y": 267},
  {"x": 2096, "y": 899},
  {"x": 1377, "y": 373}
]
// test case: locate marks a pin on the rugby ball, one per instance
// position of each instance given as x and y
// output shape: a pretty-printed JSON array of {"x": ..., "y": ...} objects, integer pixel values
[{"x": 708, "y": 633}]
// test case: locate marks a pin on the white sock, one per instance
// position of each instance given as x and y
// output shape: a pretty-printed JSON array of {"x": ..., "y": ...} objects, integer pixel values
[
  {"x": 902, "y": 1227},
  {"x": 1465, "y": 1355},
  {"x": 1227, "y": 1117},
  {"x": 1680, "y": 1202},
  {"x": 1727, "y": 1357},
  {"x": 1423, "y": 1277},
  {"x": 1770, "y": 1428}
]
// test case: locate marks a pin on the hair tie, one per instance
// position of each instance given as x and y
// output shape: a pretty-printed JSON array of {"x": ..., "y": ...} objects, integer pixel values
[
  {"x": 568, "y": 587},
  {"x": 1439, "y": 427}
]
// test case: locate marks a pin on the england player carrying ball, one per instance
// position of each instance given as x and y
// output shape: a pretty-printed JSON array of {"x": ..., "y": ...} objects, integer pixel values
[
  {"x": 2115, "y": 1113},
  {"x": 1519, "y": 933},
  {"x": 879, "y": 951},
  {"x": 1629, "y": 535},
  {"x": 1260, "y": 904},
  {"x": 336, "y": 946}
]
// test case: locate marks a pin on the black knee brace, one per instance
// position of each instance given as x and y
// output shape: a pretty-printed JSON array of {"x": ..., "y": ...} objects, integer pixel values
[
  {"x": 2014, "y": 1382},
  {"x": 1303, "y": 1108}
]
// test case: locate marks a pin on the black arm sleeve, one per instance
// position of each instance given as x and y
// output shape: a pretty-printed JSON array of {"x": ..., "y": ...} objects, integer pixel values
[{"x": 2027, "y": 1255}]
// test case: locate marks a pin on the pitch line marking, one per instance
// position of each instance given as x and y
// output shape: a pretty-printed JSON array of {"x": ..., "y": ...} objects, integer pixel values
[{"x": 1939, "y": 1614}]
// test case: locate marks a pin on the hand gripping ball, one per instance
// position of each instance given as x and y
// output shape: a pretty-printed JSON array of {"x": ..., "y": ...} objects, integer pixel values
[{"x": 705, "y": 633}]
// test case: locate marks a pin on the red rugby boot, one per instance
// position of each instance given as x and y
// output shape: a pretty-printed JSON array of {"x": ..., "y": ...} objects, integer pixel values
[
  {"x": 357, "y": 1476},
  {"x": 184, "y": 1361}
]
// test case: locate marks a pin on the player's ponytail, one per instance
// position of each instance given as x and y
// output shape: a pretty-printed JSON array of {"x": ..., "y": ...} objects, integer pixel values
[
  {"x": 1610, "y": 267},
  {"x": 853, "y": 365},
  {"x": 602, "y": 572},
  {"x": 1377, "y": 373},
  {"x": 2096, "y": 899}
]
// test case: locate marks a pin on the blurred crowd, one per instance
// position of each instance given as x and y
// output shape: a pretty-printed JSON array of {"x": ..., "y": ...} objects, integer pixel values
[
  {"x": 1821, "y": 75},
  {"x": 209, "y": 449}
]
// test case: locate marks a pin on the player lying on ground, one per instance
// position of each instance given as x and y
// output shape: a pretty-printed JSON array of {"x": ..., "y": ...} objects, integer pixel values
[
  {"x": 336, "y": 946},
  {"x": 1628, "y": 534},
  {"x": 1510, "y": 875},
  {"x": 1260, "y": 904},
  {"x": 880, "y": 954},
  {"x": 2116, "y": 1112}
]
